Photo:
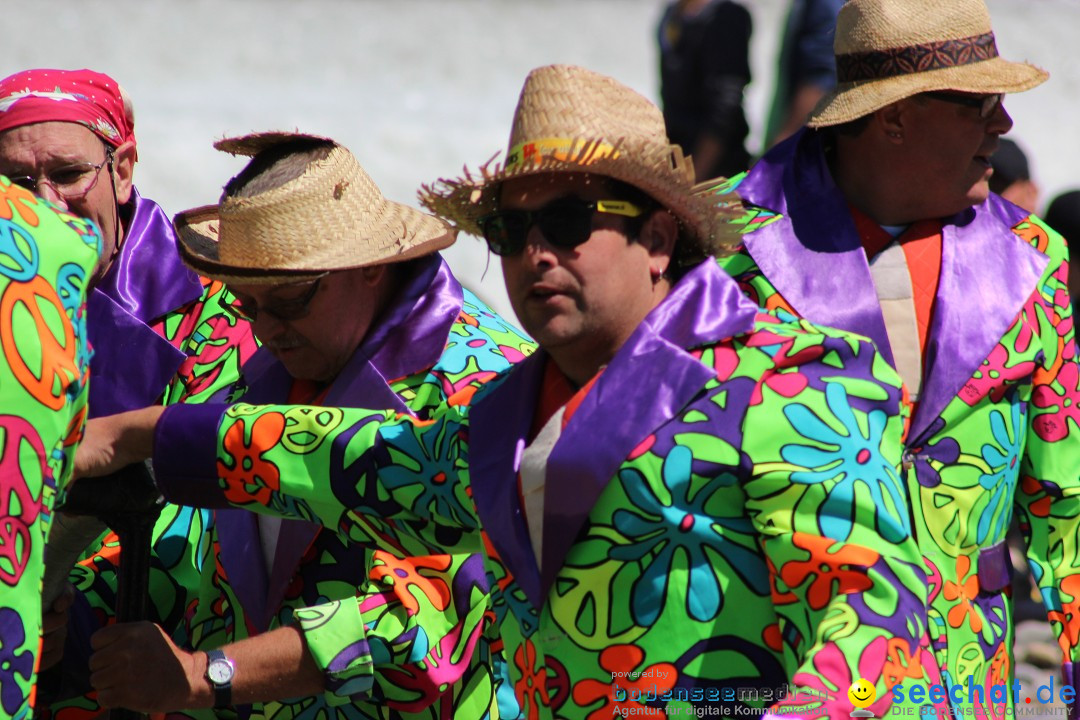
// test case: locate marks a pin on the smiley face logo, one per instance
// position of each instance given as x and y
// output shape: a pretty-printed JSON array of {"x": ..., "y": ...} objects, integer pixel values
[{"x": 861, "y": 693}]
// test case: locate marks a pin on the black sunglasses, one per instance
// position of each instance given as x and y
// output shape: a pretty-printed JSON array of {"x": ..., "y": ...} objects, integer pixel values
[
  {"x": 565, "y": 223},
  {"x": 284, "y": 310},
  {"x": 987, "y": 104}
]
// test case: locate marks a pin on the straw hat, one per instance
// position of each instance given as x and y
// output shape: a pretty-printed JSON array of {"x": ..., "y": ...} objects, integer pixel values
[
  {"x": 887, "y": 50},
  {"x": 332, "y": 217},
  {"x": 569, "y": 119}
]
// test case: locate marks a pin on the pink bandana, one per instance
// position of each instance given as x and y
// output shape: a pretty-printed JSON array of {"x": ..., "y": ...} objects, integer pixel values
[{"x": 85, "y": 97}]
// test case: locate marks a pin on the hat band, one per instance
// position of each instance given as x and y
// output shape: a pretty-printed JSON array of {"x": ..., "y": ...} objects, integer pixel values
[
  {"x": 579, "y": 151},
  {"x": 880, "y": 64}
]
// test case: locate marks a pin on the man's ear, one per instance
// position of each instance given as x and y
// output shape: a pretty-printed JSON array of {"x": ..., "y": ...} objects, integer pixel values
[
  {"x": 889, "y": 120},
  {"x": 659, "y": 234},
  {"x": 123, "y": 170}
]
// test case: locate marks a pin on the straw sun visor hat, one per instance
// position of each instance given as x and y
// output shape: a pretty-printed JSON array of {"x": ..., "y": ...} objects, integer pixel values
[
  {"x": 888, "y": 50},
  {"x": 331, "y": 217},
  {"x": 572, "y": 120}
]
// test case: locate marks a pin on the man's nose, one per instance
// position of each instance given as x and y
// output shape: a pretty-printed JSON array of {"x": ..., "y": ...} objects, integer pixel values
[
  {"x": 1000, "y": 122},
  {"x": 47, "y": 192}
]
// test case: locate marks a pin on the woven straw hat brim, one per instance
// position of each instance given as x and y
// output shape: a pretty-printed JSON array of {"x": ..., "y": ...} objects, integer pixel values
[
  {"x": 197, "y": 232},
  {"x": 463, "y": 201},
  {"x": 851, "y": 101},
  {"x": 573, "y": 120}
]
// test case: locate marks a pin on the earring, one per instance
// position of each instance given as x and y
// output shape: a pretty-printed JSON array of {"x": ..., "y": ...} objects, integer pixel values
[
  {"x": 657, "y": 274},
  {"x": 894, "y": 134}
]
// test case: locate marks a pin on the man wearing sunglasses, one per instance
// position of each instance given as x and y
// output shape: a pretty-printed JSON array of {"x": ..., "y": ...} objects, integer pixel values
[
  {"x": 878, "y": 219},
  {"x": 159, "y": 332},
  {"x": 354, "y": 307},
  {"x": 682, "y": 501}
]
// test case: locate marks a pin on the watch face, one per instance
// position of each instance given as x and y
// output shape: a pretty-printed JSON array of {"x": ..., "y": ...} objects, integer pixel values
[{"x": 219, "y": 671}]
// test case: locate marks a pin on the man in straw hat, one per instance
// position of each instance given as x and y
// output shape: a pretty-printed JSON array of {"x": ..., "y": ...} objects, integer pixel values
[
  {"x": 683, "y": 501},
  {"x": 160, "y": 333},
  {"x": 43, "y": 387},
  {"x": 354, "y": 307},
  {"x": 878, "y": 220}
]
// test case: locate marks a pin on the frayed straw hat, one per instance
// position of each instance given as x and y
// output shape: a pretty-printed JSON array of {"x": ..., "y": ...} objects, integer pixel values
[
  {"x": 887, "y": 50},
  {"x": 331, "y": 217},
  {"x": 569, "y": 119}
]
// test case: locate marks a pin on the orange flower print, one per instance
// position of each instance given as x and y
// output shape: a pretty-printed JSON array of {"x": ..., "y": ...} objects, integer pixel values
[
  {"x": 18, "y": 199},
  {"x": 624, "y": 684},
  {"x": 249, "y": 477},
  {"x": 531, "y": 689},
  {"x": 836, "y": 572},
  {"x": 1069, "y": 615},
  {"x": 900, "y": 664},
  {"x": 965, "y": 591},
  {"x": 404, "y": 575}
]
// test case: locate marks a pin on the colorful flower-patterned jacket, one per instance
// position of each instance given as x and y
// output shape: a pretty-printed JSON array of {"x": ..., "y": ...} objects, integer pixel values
[
  {"x": 435, "y": 345},
  {"x": 723, "y": 512},
  {"x": 159, "y": 334},
  {"x": 46, "y": 257},
  {"x": 997, "y": 428}
]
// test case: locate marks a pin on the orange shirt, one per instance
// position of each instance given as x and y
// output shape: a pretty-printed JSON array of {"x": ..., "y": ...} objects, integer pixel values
[{"x": 921, "y": 243}]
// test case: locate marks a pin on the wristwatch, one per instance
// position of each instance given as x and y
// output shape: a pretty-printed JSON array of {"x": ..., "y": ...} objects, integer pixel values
[{"x": 220, "y": 671}]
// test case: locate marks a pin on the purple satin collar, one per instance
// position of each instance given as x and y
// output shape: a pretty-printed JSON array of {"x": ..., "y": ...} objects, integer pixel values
[
  {"x": 132, "y": 364},
  {"x": 814, "y": 258},
  {"x": 147, "y": 278},
  {"x": 705, "y": 307},
  {"x": 409, "y": 338}
]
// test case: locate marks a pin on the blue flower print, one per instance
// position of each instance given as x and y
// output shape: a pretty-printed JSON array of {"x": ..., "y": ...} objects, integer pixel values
[
  {"x": 849, "y": 459},
  {"x": 660, "y": 528},
  {"x": 1003, "y": 459}
]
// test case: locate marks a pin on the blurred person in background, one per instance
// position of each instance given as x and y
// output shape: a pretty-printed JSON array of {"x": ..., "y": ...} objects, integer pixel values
[
  {"x": 806, "y": 69},
  {"x": 1012, "y": 177},
  {"x": 704, "y": 69},
  {"x": 1063, "y": 214}
]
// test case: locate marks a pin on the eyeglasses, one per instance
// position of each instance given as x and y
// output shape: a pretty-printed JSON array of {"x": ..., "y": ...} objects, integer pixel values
[
  {"x": 284, "y": 310},
  {"x": 565, "y": 223},
  {"x": 71, "y": 182},
  {"x": 987, "y": 104}
]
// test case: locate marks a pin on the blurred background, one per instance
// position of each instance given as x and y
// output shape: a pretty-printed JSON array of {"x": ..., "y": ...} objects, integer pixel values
[{"x": 419, "y": 88}]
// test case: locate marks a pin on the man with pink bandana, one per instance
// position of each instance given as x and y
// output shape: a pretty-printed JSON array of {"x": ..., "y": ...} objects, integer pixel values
[{"x": 159, "y": 332}]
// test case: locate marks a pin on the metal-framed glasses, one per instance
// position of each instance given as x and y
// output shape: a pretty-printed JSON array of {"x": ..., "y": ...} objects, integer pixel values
[
  {"x": 71, "y": 182},
  {"x": 284, "y": 310},
  {"x": 986, "y": 104},
  {"x": 565, "y": 223}
]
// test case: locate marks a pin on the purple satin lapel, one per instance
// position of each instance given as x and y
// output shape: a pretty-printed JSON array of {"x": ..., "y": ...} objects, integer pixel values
[
  {"x": 987, "y": 274},
  {"x": 412, "y": 334},
  {"x": 241, "y": 556},
  {"x": 131, "y": 364},
  {"x": 813, "y": 255},
  {"x": 147, "y": 278},
  {"x": 294, "y": 538},
  {"x": 498, "y": 426}
]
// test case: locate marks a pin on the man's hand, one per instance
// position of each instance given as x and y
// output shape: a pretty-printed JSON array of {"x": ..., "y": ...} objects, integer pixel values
[
  {"x": 115, "y": 441},
  {"x": 54, "y": 625},
  {"x": 137, "y": 666}
]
